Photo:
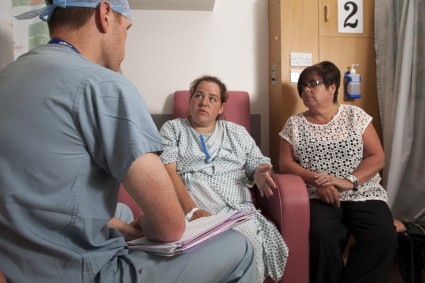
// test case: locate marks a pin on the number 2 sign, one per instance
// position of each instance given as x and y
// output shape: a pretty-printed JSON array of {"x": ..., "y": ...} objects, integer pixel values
[{"x": 350, "y": 16}]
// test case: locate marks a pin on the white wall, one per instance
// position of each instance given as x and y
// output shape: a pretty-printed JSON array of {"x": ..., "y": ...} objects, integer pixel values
[
  {"x": 166, "y": 50},
  {"x": 6, "y": 33}
]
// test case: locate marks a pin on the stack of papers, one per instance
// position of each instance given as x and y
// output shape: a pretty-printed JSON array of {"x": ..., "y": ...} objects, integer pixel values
[{"x": 196, "y": 233}]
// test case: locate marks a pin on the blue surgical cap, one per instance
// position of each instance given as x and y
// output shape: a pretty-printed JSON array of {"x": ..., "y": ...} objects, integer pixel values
[{"x": 119, "y": 6}]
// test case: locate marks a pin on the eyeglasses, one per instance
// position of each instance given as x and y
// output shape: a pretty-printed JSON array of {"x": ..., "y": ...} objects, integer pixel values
[{"x": 311, "y": 85}]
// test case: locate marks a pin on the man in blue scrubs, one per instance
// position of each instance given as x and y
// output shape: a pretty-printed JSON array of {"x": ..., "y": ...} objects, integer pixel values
[{"x": 73, "y": 128}]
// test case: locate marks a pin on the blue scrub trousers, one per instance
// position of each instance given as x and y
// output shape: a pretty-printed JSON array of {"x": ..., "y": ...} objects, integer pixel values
[{"x": 226, "y": 258}]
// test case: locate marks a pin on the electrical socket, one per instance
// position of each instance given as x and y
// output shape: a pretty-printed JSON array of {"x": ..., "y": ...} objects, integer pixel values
[
  {"x": 301, "y": 59},
  {"x": 295, "y": 74}
]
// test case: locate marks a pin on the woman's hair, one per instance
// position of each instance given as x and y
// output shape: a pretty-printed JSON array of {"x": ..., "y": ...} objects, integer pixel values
[
  {"x": 325, "y": 71},
  {"x": 211, "y": 79}
]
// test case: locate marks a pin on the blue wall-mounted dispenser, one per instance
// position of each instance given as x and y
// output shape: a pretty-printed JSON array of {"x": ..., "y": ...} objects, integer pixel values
[{"x": 352, "y": 83}]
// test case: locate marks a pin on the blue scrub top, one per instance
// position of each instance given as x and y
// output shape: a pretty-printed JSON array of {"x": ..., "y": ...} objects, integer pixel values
[{"x": 70, "y": 129}]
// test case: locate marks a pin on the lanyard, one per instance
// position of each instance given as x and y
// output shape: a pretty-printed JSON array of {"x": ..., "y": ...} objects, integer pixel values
[
  {"x": 63, "y": 42},
  {"x": 208, "y": 157}
]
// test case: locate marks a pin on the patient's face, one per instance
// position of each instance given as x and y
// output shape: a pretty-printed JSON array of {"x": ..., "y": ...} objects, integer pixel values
[{"x": 205, "y": 106}]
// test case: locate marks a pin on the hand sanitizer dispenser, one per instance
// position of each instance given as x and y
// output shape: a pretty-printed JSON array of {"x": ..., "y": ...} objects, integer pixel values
[{"x": 352, "y": 83}]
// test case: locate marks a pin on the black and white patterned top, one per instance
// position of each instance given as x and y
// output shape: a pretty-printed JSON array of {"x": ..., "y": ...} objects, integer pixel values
[{"x": 335, "y": 148}]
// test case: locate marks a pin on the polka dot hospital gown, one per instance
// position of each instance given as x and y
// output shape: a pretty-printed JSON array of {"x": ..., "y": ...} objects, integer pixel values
[{"x": 221, "y": 185}]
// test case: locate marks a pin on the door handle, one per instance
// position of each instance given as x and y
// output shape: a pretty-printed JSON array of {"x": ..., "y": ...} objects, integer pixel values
[{"x": 326, "y": 13}]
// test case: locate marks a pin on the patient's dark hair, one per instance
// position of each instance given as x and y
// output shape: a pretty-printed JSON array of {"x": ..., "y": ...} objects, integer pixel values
[{"x": 211, "y": 79}]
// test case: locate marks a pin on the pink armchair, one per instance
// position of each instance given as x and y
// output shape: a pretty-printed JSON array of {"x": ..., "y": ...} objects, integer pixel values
[{"x": 288, "y": 208}]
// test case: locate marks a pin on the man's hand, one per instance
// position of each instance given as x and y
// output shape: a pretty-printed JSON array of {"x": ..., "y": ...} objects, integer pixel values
[
  {"x": 263, "y": 180},
  {"x": 129, "y": 231}
]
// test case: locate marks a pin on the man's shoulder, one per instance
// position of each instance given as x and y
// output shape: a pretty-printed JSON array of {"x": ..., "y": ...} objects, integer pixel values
[{"x": 68, "y": 63}]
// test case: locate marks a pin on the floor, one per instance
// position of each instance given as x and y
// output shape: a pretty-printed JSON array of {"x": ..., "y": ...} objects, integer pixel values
[{"x": 395, "y": 276}]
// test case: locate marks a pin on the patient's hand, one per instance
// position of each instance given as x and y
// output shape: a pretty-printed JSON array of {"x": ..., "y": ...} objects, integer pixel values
[
  {"x": 263, "y": 180},
  {"x": 199, "y": 214},
  {"x": 129, "y": 231}
]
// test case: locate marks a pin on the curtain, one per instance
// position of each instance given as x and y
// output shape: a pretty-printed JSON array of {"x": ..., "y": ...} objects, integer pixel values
[{"x": 400, "y": 60}]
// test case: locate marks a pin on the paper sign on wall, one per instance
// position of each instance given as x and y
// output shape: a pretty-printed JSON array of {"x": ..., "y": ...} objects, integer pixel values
[{"x": 350, "y": 16}]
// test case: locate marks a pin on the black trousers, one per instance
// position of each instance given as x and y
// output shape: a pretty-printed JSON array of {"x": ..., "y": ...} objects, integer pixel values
[{"x": 370, "y": 258}]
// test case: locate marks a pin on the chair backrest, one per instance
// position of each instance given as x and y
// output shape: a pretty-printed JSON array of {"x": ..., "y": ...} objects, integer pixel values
[{"x": 236, "y": 109}]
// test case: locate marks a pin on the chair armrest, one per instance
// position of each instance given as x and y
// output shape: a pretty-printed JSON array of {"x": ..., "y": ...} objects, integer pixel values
[{"x": 289, "y": 209}]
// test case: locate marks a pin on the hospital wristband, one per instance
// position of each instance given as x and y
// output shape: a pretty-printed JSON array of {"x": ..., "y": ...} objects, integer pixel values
[{"x": 190, "y": 214}]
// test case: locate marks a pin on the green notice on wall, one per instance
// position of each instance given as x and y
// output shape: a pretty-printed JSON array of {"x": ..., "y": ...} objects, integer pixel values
[
  {"x": 38, "y": 34},
  {"x": 29, "y": 33}
]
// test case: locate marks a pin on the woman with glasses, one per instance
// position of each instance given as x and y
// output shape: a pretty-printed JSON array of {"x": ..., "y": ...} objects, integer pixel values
[{"x": 336, "y": 150}]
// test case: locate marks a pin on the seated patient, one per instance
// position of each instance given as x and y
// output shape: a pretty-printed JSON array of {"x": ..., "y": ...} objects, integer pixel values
[{"x": 211, "y": 163}]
